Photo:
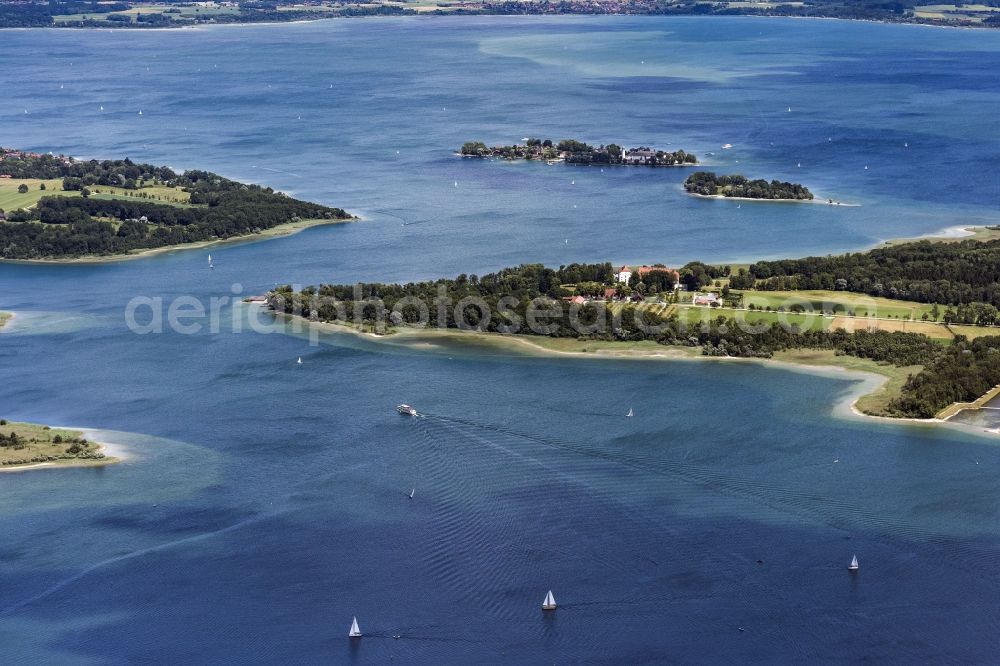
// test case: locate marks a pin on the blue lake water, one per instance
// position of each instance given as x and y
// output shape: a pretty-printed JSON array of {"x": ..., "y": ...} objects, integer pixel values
[{"x": 264, "y": 502}]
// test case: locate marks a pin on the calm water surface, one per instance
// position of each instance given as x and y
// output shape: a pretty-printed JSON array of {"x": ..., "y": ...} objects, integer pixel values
[{"x": 265, "y": 503}]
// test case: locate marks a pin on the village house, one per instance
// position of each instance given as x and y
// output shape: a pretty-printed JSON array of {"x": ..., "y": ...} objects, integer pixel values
[
  {"x": 710, "y": 299},
  {"x": 639, "y": 156}
]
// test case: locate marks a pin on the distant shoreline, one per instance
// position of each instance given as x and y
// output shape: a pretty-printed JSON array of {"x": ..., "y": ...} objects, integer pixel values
[
  {"x": 449, "y": 15},
  {"x": 287, "y": 229}
]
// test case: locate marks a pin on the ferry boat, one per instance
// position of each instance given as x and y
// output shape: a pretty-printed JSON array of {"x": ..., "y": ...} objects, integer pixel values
[{"x": 407, "y": 410}]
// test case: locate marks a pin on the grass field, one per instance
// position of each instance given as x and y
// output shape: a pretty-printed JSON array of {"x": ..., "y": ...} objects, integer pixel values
[
  {"x": 693, "y": 315},
  {"x": 971, "y": 13},
  {"x": 973, "y": 332},
  {"x": 839, "y": 302},
  {"x": 38, "y": 444},
  {"x": 11, "y": 199},
  {"x": 182, "y": 12}
]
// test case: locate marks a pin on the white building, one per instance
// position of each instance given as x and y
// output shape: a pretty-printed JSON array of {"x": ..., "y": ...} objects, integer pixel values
[{"x": 623, "y": 275}]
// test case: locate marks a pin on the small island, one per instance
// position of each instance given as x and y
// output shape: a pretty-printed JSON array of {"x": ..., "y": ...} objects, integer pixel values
[
  {"x": 736, "y": 186},
  {"x": 54, "y": 207},
  {"x": 28, "y": 445},
  {"x": 572, "y": 151}
]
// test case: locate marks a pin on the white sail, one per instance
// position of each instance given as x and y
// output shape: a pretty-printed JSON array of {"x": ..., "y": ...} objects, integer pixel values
[
  {"x": 299, "y": 361},
  {"x": 550, "y": 601},
  {"x": 854, "y": 563},
  {"x": 411, "y": 493},
  {"x": 355, "y": 630},
  {"x": 629, "y": 412}
]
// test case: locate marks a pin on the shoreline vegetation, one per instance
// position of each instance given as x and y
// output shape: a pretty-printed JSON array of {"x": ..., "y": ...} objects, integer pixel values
[
  {"x": 934, "y": 351},
  {"x": 68, "y": 209},
  {"x": 287, "y": 229},
  {"x": 132, "y": 14},
  {"x": 25, "y": 446},
  {"x": 737, "y": 186},
  {"x": 572, "y": 151}
]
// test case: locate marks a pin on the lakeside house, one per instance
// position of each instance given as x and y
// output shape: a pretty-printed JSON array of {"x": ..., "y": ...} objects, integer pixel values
[
  {"x": 624, "y": 274},
  {"x": 641, "y": 155}
]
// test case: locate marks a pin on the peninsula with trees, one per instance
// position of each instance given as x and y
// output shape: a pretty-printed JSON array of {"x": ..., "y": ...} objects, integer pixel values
[
  {"x": 25, "y": 445},
  {"x": 572, "y": 151},
  {"x": 708, "y": 184},
  {"x": 938, "y": 352},
  {"x": 54, "y": 207}
]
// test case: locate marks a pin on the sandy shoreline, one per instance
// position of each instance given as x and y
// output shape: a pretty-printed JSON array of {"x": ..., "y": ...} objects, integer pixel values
[
  {"x": 429, "y": 339},
  {"x": 114, "y": 452},
  {"x": 816, "y": 200},
  {"x": 274, "y": 232}
]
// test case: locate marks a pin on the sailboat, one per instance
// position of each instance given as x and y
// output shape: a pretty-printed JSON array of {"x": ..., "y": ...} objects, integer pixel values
[
  {"x": 355, "y": 631},
  {"x": 550, "y": 602},
  {"x": 630, "y": 413},
  {"x": 210, "y": 262},
  {"x": 853, "y": 566},
  {"x": 299, "y": 362},
  {"x": 411, "y": 493}
]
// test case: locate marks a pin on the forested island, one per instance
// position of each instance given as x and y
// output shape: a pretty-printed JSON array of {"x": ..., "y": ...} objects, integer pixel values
[
  {"x": 139, "y": 14},
  {"x": 708, "y": 184},
  {"x": 58, "y": 207},
  {"x": 594, "y": 304},
  {"x": 29, "y": 444},
  {"x": 572, "y": 151}
]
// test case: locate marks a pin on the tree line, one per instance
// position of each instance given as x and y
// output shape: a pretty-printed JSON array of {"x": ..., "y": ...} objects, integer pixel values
[
  {"x": 959, "y": 273},
  {"x": 578, "y": 152}
]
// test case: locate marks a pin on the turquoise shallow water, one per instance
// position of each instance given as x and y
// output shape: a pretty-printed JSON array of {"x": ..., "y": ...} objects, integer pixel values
[{"x": 264, "y": 502}]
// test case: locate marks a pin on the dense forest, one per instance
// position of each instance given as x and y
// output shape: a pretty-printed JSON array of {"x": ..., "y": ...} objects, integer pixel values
[
  {"x": 579, "y": 152},
  {"x": 960, "y": 372},
  {"x": 958, "y": 273},
  {"x": 62, "y": 226},
  {"x": 708, "y": 184}
]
